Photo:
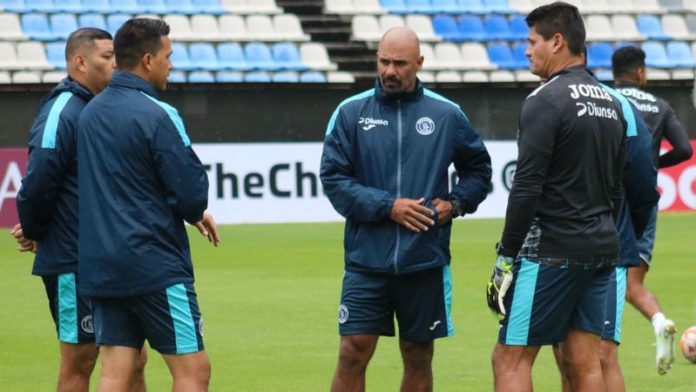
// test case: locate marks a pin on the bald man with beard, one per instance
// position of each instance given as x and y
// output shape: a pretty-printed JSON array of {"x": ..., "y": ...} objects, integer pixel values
[{"x": 385, "y": 169}]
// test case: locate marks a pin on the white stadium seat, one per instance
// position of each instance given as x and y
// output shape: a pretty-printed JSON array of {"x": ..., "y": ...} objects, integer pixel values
[
  {"x": 8, "y": 56},
  {"x": 621, "y": 6},
  {"x": 341, "y": 7},
  {"x": 647, "y": 7},
  {"x": 501, "y": 76},
  {"x": 367, "y": 7},
  {"x": 205, "y": 27},
  {"x": 474, "y": 77},
  {"x": 675, "y": 26},
  {"x": 448, "y": 77},
  {"x": 32, "y": 55},
  {"x": 426, "y": 77},
  {"x": 387, "y": 22},
  {"x": 340, "y": 77},
  {"x": 366, "y": 28},
  {"x": 448, "y": 56},
  {"x": 179, "y": 27},
  {"x": 423, "y": 26},
  {"x": 26, "y": 77},
  {"x": 526, "y": 76},
  {"x": 5, "y": 77},
  {"x": 597, "y": 7},
  {"x": 233, "y": 28},
  {"x": 10, "y": 29},
  {"x": 53, "y": 76},
  {"x": 429, "y": 59},
  {"x": 314, "y": 55},
  {"x": 260, "y": 28},
  {"x": 289, "y": 28},
  {"x": 599, "y": 28},
  {"x": 475, "y": 56},
  {"x": 625, "y": 28}
]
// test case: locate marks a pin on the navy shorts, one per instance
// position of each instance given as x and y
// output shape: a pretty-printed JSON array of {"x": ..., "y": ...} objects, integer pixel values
[
  {"x": 647, "y": 241},
  {"x": 169, "y": 319},
  {"x": 616, "y": 298},
  {"x": 421, "y": 302},
  {"x": 544, "y": 302},
  {"x": 71, "y": 312}
]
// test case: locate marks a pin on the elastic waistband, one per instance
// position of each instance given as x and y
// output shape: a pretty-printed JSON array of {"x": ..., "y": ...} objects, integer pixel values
[{"x": 570, "y": 263}]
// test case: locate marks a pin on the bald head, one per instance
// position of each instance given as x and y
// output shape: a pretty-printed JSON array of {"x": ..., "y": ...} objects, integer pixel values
[{"x": 399, "y": 60}]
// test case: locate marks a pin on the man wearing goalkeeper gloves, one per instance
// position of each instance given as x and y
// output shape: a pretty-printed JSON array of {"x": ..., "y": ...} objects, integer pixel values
[{"x": 560, "y": 241}]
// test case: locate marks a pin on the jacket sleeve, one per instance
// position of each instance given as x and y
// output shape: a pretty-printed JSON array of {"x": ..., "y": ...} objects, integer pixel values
[
  {"x": 640, "y": 176},
  {"x": 51, "y": 151},
  {"x": 473, "y": 166},
  {"x": 181, "y": 172},
  {"x": 350, "y": 198},
  {"x": 676, "y": 135}
]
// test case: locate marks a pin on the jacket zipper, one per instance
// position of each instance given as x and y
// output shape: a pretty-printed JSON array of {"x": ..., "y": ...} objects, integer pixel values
[{"x": 398, "y": 182}]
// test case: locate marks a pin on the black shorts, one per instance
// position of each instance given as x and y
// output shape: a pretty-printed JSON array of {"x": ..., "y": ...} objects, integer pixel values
[
  {"x": 421, "y": 302},
  {"x": 71, "y": 311}
]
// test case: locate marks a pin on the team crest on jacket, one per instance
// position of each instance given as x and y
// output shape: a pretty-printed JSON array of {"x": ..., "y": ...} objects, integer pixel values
[{"x": 425, "y": 126}]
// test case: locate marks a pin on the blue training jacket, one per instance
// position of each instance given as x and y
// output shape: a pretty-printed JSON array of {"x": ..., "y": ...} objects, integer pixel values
[
  {"x": 381, "y": 147},
  {"x": 139, "y": 181},
  {"x": 47, "y": 200},
  {"x": 639, "y": 183}
]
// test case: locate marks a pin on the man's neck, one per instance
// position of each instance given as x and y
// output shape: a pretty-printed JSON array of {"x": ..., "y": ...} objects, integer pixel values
[{"x": 571, "y": 61}]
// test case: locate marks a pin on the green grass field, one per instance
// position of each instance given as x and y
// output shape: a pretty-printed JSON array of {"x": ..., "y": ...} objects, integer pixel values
[{"x": 269, "y": 298}]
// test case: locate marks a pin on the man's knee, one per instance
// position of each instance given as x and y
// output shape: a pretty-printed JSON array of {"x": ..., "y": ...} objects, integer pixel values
[
  {"x": 78, "y": 359},
  {"x": 417, "y": 355},
  {"x": 356, "y": 351}
]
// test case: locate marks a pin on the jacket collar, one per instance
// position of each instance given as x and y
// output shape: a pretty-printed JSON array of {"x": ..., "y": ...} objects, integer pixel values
[
  {"x": 621, "y": 83},
  {"x": 574, "y": 70},
  {"x": 130, "y": 80},
  {"x": 383, "y": 96},
  {"x": 68, "y": 84}
]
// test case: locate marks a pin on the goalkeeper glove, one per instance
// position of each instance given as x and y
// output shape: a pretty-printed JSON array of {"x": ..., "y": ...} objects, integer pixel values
[{"x": 497, "y": 287}]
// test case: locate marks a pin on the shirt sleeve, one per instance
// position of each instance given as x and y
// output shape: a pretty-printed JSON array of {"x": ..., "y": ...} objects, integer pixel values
[
  {"x": 676, "y": 135},
  {"x": 350, "y": 198}
]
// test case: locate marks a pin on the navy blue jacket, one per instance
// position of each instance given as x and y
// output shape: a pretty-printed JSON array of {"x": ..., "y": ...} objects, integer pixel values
[
  {"x": 47, "y": 200},
  {"x": 639, "y": 183},
  {"x": 382, "y": 147},
  {"x": 139, "y": 181}
]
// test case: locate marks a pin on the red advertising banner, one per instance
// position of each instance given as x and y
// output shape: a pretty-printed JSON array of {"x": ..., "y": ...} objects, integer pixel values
[
  {"x": 13, "y": 165},
  {"x": 677, "y": 184}
]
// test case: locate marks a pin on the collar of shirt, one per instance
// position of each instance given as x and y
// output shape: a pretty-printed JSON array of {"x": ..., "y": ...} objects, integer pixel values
[
  {"x": 129, "y": 80},
  {"x": 383, "y": 96}
]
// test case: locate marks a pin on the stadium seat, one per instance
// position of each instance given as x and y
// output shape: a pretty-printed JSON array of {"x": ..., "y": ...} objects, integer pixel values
[
  {"x": 501, "y": 55},
  {"x": 259, "y": 56},
  {"x": 231, "y": 56},
  {"x": 5, "y": 77},
  {"x": 498, "y": 6},
  {"x": 647, "y": 7},
  {"x": 45, "y": 6},
  {"x": 368, "y": 7},
  {"x": 599, "y": 55},
  {"x": 10, "y": 29},
  {"x": 445, "y": 6},
  {"x": 448, "y": 56},
  {"x": 599, "y": 28},
  {"x": 387, "y": 22},
  {"x": 201, "y": 77},
  {"x": 395, "y": 6},
  {"x": 657, "y": 74},
  {"x": 672, "y": 5},
  {"x": 208, "y": 6},
  {"x": 426, "y": 77},
  {"x": 288, "y": 27},
  {"x": 497, "y": 28},
  {"x": 312, "y": 77},
  {"x": 285, "y": 77},
  {"x": 474, "y": 77},
  {"x": 263, "y": 7},
  {"x": 446, "y": 27},
  {"x": 448, "y": 77},
  {"x": 474, "y": 56},
  {"x": 53, "y": 76},
  {"x": 287, "y": 56},
  {"x": 522, "y": 6},
  {"x": 115, "y": 21},
  {"x": 675, "y": 27},
  {"x": 92, "y": 20},
  {"x": 179, "y": 27},
  {"x": 689, "y": 5},
  {"x": 471, "y": 28},
  {"x": 73, "y": 6},
  {"x": 682, "y": 74},
  {"x": 31, "y": 55},
  {"x": 340, "y": 77},
  {"x": 419, "y": 6},
  {"x": 154, "y": 7},
  {"x": 366, "y": 28},
  {"x": 429, "y": 60},
  {"x": 518, "y": 53},
  {"x": 205, "y": 28},
  {"x": 36, "y": 26},
  {"x": 62, "y": 25},
  {"x": 229, "y": 77},
  {"x": 597, "y": 7},
  {"x": 203, "y": 56},
  {"x": 235, "y": 6},
  {"x": 518, "y": 28},
  {"x": 501, "y": 76},
  {"x": 233, "y": 28},
  {"x": 257, "y": 77},
  {"x": 341, "y": 7},
  {"x": 26, "y": 77},
  {"x": 655, "y": 55},
  {"x": 526, "y": 77},
  {"x": 260, "y": 28},
  {"x": 423, "y": 27},
  {"x": 621, "y": 6},
  {"x": 182, "y": 7},
  {"x": 472, "y": 7},
  {"x": 180, "y": 57},
  {"x": 650, "y": 26},
  {"x": 176, "y": 77},
  {"x": 679, "y": 53},
  {"x": 55, "y": 54},
  {"x": 624, "y": 27},
  {"x": 314, "y": 56},
  {"x": 8, "y": 56},
  {"x": 14, "y": 6},
  {"x": 127, "y": 7},
  {"x": 100, "y": 6}
]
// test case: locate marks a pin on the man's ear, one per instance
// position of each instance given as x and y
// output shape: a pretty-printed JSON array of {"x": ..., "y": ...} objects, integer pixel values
[
  {"x": 146, "y": 61},
  {"x": 80, "y": 62},
  {"x": 558, "y": 43}
]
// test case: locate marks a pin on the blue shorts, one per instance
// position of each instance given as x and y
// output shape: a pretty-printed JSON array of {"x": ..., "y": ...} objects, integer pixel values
[
  {"x": 646, "y": 243},
  {"x": 169, "y": 319},
  {"x": 71, "y": 311},
  {"x": 544, "y": 302},
  {"x": 616, "y": 298},
  {"x": 421, "y": 302}
]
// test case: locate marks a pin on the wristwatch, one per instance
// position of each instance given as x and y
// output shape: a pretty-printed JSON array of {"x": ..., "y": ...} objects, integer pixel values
[{"x": 456, "y": 207}]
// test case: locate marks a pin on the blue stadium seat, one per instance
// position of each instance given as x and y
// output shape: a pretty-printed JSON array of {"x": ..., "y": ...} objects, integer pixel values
[
  {"x": 115, "y": 21},
  {"x": 101, "y": 6},
  {"x": 497, "y": 28},
  {"x": 259, "y": 56},
  {"x": 209, "y": 7},
  {"x": 680, "y": 54},
  {"x": 518, "y": 53},
  {"x": 519, "y": 28},
  {"x": 471, "y": 28},
  {"x": 63, "y": 24},
  {"x": 501, "y": 55},
  {"x": 55, "y": 54},
  {"x": 447, "y": 6},
  {"x": 312, "y": 77},
  {"x": 394, "y": 6},
  {"x": 257, "y": 77},
  {"x": 41, "y": 5},
  {"x": 650, "y": 26},
  {"x": 446, "y": 27},
  {"x": 92, "y": 20},
  {"x": 599, "y": 55},
  {"x": 36, "y": 26},
  {"x": 74, "y": 6},
  {"x": 472, "y": 7},
  {"x": 180, "y": 57},
  {"x": 14, "y": 6},
  {"x": 155, "y": 6},
  {"x": 286, "y": 55},
  {"x": 181, "y": 7},
  {"x": 176, "y": 77},
  {"x": 655, "y": 55},
  {"x": 231, "y": 56},
  {"x": 286, "y": 77},
  {"x": 203, "y": 56},
  {"x": 498, "y": 6},
  {"x": 201, "y": 77},
  {"x": 419, "y": 6},
  {"x": 127, "y": 7},
  {"x": 229, "y": 77}
]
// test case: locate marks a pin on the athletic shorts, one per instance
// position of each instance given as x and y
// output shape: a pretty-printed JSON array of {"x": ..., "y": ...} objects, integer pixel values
[
  {"x": 169, "y": 319},
  {"x": 71, "y": 311},
  {"x": 646, "y": 243},
  {"x": 544, "y": 302},
  {"x": 421, "y": 302},
  {"x": 616, "y": 297}
]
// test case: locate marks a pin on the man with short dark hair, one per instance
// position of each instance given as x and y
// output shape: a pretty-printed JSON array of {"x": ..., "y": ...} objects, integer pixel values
[
  {"x": 628, "y": 66},
  {"x": 139, "y": 181},
  {"x": 555, "y": 257},
  {"x": 48, "y": 203}
]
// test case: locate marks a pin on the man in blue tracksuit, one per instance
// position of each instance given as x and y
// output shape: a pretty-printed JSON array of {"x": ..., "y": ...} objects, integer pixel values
[
  {"x": 47, "y": 202},
  {"x": 384, "y": 168},
  {"x": 139, "y": 181}
]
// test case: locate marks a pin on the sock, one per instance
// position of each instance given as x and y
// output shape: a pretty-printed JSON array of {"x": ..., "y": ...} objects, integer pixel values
[{"x": 657, "y": 321}]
